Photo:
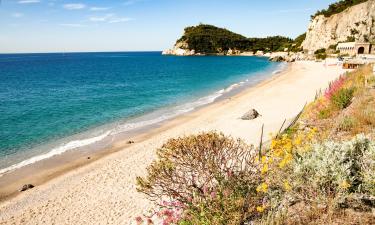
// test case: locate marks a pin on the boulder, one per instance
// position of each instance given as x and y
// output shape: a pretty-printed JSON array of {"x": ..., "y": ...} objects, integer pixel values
[
  {"x": 26, "y": 187},
  {"x": 250, "y": 115},
  {"x": 277, "y": 59}
]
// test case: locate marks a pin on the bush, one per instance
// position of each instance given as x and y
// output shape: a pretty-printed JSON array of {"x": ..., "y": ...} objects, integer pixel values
[
  {"x": 320, "y": 51},
  {"x": 334, "y": 169},
  {"x": 346, "y": 124},
  {"x": 321, "y": 56},
  {"x": 214, "y": 178},
  {"x": 342, "y": 98},
  {"x": 325, "y": 113}
]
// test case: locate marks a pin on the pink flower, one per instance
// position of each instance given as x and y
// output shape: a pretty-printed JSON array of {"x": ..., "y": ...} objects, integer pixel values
[
  {"x": 205, "y": 189},
  {"x": 139, "y": 220},
  {"x": 213, "y": 194},
  {"x": 149, "y": 221},
  {"x": 226, "y": 193},
  {"x": 334, "y": 87}
]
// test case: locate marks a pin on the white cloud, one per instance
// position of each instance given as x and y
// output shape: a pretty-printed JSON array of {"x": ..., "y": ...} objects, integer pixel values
[
  {"x": 99, "y": 8},
  {"x": 71, "y": 25},
  {"x": 28, "y": 1},
  {"x": 101, "y": 18},
  {"x": 120, "y": 20},
  {"x": 109, "y": 18},
  {"x": 17, "y": 15},
  {"x": 74, "y": 6}
]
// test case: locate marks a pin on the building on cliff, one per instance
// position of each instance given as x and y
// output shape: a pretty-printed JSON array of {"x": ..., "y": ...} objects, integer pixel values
[{"x": 356, "y": 48}]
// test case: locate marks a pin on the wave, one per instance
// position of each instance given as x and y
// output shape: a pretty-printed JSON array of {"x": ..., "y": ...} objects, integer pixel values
[
  {"x": 158, "y": 117},
  {"x": 56, "y": 151}
]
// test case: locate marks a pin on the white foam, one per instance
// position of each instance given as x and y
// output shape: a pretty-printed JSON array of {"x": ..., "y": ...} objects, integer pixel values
[{"x": 56, "y": 151}]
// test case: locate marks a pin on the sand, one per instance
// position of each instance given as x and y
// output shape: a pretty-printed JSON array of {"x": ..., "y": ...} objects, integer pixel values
[{"x": 104, "y": 191}]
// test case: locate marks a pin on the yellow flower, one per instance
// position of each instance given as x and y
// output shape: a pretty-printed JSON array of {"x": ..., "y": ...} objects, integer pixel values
[
  {"x": 345, "y": 185},
  {"x": 287, "y": 186},
  {"x": 260, "y": 209},
  {"x": 287, "y": 158},
  {"x": 298, "y": 140},
  {"x": 264, "y": 159},
  {"x": 264, "y": 169},
  {"x": 262, "y": 188},
  {"x": 273, "y": 144}
]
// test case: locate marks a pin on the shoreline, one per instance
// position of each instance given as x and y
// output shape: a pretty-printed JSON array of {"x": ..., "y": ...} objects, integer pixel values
[
  {"x": 113, "y": 176},
  {"x": 58, "y": 164}
]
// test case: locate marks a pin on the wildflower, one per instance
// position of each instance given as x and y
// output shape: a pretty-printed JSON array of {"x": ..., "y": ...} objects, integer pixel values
[
  {"x": 226, "y": 193},
  {"x": 264, "y": 169},
  {"x": 205, "y": 189},
  {"x": 287, "y": 158},
  {"x": 287, "y": 186},
  {"x": 149, "y": 221},
  {"x": 213, "y": 195},
  {"x": 262, "y": 188},
  {"x": 260, "y": 209},
  {"x": 264, "y": 159},
  {"x": 139, "y": 220},
  {"x": 298, "y": 140},
  {"x": 345, "y": 185},
  {"x": 273, "y": 144}
]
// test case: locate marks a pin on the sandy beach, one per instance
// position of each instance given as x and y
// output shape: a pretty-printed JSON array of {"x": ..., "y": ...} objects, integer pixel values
[{"x": 104, "y": 191}]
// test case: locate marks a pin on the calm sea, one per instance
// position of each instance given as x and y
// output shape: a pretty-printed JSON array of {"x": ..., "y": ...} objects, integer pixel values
[{"x": 50, "y": 99}]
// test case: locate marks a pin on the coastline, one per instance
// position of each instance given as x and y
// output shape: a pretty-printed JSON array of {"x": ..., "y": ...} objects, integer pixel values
[
  {"x": 60, "y": 159},
  {"x": 277, "y": 98}
]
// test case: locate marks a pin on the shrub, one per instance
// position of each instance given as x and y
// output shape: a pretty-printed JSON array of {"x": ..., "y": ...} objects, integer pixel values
[
  {"x": 333, "y": 170},
  {"x": 346, "y": 124},
  {"x": 334, "y": 87},
  {"x": 320, "y": 51},
  {"x": 321, "y": 56},
  {"x": 343, "y": 98},
  {"x": 213, "y": 177},
  {"x": 324, "y": 113}
]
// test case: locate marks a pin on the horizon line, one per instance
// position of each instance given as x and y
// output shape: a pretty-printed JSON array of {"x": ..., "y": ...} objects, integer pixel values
[{"x": 70, "y": 52}]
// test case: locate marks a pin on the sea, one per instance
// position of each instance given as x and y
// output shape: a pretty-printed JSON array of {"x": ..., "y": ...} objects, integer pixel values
[{"x": 52, "y": 103}]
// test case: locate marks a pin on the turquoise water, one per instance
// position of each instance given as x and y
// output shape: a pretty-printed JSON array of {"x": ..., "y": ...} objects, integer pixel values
[{"x": 48, "y": 97}]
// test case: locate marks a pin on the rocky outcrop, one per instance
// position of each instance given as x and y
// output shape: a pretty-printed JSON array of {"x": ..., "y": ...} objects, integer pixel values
[
  {"x": 355, "y": 23},
  {"x": 180, "y": 49}
]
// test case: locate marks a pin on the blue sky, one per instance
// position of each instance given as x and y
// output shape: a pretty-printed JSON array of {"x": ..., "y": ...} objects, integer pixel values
[{"x": 140, "y": 25}]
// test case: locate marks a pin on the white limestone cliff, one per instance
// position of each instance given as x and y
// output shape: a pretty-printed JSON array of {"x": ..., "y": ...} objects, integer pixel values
[{"x": 357, "y": 22}]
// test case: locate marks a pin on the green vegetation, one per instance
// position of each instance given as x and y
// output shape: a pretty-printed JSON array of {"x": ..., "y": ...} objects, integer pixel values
[
  {"x": 343, "y": 98},
  {"x": 338, "y": 7},
  {"x": 297, "y": 43},
  {"x": 350, "y": 39},
  {"x": 209, "y": 39},
  {"x": 320, "y": 54},
  {"x": 320, "y": 171}
]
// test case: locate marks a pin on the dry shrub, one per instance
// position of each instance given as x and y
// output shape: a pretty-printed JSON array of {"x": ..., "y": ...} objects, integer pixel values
[
  {"x": 213, "y": 177},
  {"x": 365, "y": 112}
]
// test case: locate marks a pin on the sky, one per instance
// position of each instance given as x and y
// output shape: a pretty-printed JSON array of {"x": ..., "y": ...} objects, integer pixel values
[{"x": 140, "y": 25}]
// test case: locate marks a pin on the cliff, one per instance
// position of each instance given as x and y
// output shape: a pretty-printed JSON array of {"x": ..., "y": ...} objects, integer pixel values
[{"x": 356, "y": 23}]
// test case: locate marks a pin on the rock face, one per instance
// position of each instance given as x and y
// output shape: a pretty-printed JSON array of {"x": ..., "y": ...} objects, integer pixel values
[
  {"x": 356, "y": 23},
  {"x": 250, "y": 115},
  {"x": 180, "y": 49}
]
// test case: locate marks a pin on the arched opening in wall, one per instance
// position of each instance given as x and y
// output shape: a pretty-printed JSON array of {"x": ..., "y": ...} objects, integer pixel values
[{"x": 361, "y": 50}]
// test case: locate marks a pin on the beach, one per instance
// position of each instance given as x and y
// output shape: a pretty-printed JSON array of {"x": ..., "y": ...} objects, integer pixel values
[{"x": 104, "y": 191}]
